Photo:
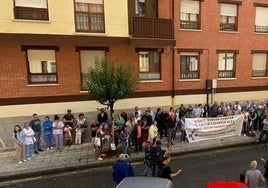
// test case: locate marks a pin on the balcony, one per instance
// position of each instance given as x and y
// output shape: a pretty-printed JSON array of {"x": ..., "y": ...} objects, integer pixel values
[
  {"x": 152, "y": 28},
  {"x": 259, "y": 73},
  {"x": 261, "y": 29}
]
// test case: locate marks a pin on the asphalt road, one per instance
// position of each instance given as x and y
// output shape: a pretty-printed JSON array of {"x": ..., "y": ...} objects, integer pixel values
[{"x": 198, "y": 169}]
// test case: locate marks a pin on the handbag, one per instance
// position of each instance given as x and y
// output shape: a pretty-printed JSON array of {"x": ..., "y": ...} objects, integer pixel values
[{"x": 97, "y": 141}]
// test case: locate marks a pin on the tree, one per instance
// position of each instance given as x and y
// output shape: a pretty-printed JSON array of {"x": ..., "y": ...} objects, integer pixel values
[{"x": 108, "y": 83}]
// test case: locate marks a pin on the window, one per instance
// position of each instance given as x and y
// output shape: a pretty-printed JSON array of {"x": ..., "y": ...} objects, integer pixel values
[
  {"x": 42, "y": 66},
  {"x": 259, "y": 65},
  {"x": 31, "y": 10},
  {"x": 226, "y": 65},
  {"x": 146, "y": 8},
  {"x": 190, "y": 14},
  {"x": 149, "y": 65},
  {"x": 189, "y": 65},
  {"x": 228, "y": 17},
  {"x": 89, "y": 16},
  {"x": 87, "y": 59},
  {"x": 261, "y": 20}
]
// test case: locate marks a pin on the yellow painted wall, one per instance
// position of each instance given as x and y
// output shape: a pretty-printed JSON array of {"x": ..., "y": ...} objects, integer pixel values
[
  {"x": 61, "y": 19},
  {"x": 128, "y": 104}
]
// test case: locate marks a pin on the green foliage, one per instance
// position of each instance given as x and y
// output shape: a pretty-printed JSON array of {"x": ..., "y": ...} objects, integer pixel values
[{"x": 108, "y": 83}]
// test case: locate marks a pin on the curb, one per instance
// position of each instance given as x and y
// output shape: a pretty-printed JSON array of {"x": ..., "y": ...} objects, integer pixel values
[{"x": 60, "y": 169}]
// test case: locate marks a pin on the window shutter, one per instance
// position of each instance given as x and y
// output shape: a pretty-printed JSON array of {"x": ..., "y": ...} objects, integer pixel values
[
  {"x": 259, "y": 61},
  {"x": 261, "y": 18},
  {"x": 41, "y": 55},
  {"x": 188, "y": 6},
  {"x": 228, "y": 9},
  {"x": 89, "y": 1},
  {"x": 88, "y": 58},
  {"x": 31, "y": 3},
  {"x": 189, "y": 53}
]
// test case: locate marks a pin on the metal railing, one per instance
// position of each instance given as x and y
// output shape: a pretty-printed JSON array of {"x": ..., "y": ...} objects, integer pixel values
[
  {"x": 259, "y": 73},
  {"x": 189, "y": 24},
  {"x": 226, "y": 74}
]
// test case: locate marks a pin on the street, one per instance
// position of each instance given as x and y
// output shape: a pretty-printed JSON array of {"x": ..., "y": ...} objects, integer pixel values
[{"x": 198, "y": 169}]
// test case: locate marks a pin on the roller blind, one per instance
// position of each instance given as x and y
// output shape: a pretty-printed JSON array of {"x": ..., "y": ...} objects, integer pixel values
[
  {"x": 259, "y": 61},
  {"x": 89, "y": 1},
  {"x": 189, "y": 6},
  {"x": 228, "y": 9},
  {"x": 189, "y": 53},
  {"x": 41, "y": 55},
  {"x": 261, "y": 18},
  {"x": 88, "y": 58},
  {"x": 31, "y": 3}
]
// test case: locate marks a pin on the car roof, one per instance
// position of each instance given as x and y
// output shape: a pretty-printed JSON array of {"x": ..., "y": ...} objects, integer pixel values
[{"x": 142, "y": 181}]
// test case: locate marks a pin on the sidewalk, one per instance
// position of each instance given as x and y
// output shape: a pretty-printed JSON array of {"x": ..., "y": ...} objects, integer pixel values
[{"x": 81, "y": 157}]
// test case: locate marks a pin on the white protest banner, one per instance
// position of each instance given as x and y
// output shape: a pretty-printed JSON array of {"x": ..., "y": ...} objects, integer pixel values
[{"x": 198, "y": 129}]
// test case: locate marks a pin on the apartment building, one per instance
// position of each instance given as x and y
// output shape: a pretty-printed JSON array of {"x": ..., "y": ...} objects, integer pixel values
[
  {"x": 222, "y": 40},
  {"x": 175, "y": 46},
  {"x": 46, "y": 47}
]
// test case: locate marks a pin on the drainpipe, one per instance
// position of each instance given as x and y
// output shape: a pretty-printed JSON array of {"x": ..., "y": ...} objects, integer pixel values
[{"x": 173, "y": 101}]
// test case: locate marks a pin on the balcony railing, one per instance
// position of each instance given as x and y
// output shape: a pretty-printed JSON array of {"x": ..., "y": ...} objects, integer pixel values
[
  {"x": 190, "y": 75},
  {"x": 226, "y": 74},
  {"x": 189, "y": 25},
  {"x": 261, "y": 29},
  {"x": 42, "y": 78},
  {"x": 259, "y": 73},
  {"x": 152, "y": 28},
  {"x": 31, "y": 13},
  {"x": 228, "y": 27}
]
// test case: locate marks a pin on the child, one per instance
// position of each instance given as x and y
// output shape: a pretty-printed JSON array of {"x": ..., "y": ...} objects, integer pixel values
[
  {"x": 78, "y": 134},
  {"x": 17, "y": 136},
  {"x": 112, "y": 148},
  {"x": 28, "y": 136},
  {"x": 68, "y": 135}
]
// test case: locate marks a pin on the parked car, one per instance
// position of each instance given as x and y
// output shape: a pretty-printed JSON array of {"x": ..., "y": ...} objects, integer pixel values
[{"x": 142, "y": 181}]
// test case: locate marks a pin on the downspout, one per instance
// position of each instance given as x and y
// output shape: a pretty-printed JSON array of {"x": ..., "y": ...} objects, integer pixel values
[{"x": 173, "y": 101}]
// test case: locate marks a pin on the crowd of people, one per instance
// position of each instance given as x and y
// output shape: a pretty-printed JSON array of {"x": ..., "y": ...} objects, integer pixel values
[
  {"x": 57, "y": 134},
  {"x": 138, "y": 129}
]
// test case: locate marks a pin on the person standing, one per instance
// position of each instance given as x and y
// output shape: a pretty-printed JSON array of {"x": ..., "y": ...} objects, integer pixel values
[
  {"x": 28, "y": 137},
  {"x": 252, "y": 116},
  {"x": 171, "y": 124},
  {"x": 182, "y": 129},
  {"x": 264, "y": 130},
  {"x": 17, "y": 136},
  {"x": 166, "y": 171},
  {"x": 81, "y": 120},
  {"x": 102, "y": 117},
  {"x": 68, "y": 135},
  {"x": 68, "y": 118},
  {"x": 265, "y": 165},
  {"x": 98, "y": 148},
  {"x": 58, "y": 126},
  {"x": 78, "y": 134},
  {"x": 48, "y": 126},
  {"x": 253, "y": 176},
  {"x": 122, "y": 169},
  {"x": 35, "y": 124},
  {"x": 153, "y": 132},
  {"x": 94, "y": 127},
  {"x": 137, "y": 130},
  {"x": 124, "y": 137}
]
